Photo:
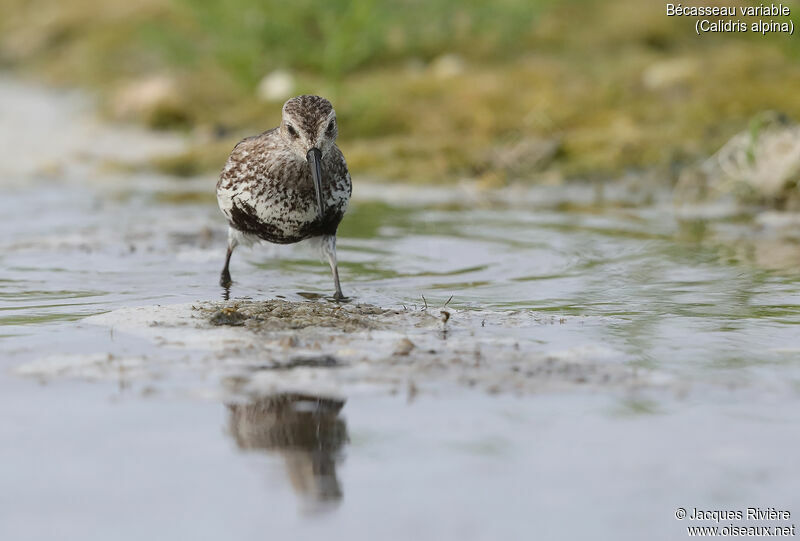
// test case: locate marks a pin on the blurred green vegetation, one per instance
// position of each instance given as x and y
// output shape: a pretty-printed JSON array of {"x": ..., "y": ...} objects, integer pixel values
[
  {"x": 336, "y": 37},
  {"x": 425, "y": 91}
]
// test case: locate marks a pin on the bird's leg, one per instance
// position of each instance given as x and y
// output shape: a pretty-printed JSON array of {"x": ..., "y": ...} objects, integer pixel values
[
  {"x": 329, "y": 249},
  {"x": 225, "y": 276},
  {"x": 335, "y": 269}
]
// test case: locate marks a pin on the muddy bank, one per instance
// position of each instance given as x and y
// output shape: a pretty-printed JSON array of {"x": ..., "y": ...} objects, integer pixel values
[{"x": 322, "y": 348}]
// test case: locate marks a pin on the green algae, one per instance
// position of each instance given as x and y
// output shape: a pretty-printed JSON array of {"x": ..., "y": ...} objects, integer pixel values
[{"x": 616, "y": 86}]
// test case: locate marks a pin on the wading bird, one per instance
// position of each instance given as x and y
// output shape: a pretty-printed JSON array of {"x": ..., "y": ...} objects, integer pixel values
[{"x": 288, "y": 184}]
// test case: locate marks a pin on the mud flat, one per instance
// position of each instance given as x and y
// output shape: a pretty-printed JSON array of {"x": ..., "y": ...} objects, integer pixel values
[{"x": 324, "y": 348}]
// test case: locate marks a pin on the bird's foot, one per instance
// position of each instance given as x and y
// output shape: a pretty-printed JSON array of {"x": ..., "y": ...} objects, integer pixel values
[
  {"x": 225, "y": 279},
  {"x": 339, "y": 296}
]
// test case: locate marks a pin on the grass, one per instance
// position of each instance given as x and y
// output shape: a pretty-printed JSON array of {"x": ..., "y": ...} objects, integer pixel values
[{"x": 616, "y": 85}]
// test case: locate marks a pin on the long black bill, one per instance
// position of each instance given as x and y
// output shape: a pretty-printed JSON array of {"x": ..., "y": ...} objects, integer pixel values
[{"x": 314, "y": 158}]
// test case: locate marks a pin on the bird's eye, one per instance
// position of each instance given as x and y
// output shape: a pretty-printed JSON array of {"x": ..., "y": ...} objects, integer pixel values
[
  {"x": 292, "y": 131},
  {"x": 331, "y": 127}
]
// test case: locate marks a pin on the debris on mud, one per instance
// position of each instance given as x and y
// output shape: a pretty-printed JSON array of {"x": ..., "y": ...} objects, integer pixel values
[
  {"x": 228, "y": 316},
  {"x": 279, "y": 314},
  {"x": 314, "y": 361}
]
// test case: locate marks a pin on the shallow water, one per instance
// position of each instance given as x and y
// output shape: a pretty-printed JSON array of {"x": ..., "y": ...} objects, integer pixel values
[{"x": 168, "y": 452}]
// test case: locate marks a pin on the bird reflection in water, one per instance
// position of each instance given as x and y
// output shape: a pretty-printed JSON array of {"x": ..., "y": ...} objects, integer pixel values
[{"x": 306, "y": 430}]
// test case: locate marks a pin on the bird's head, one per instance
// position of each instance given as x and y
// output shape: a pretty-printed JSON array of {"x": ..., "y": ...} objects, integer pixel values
[
  {"x": 309, "y": 122},
  {"x": 308, "y": 125}
]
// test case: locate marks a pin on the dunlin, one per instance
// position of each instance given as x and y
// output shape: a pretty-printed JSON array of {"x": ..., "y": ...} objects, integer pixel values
[{"x": 288, "y": 184}]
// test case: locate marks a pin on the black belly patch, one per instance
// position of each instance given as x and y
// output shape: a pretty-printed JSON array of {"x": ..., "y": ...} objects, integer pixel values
[{"x": 243, "y": 218}]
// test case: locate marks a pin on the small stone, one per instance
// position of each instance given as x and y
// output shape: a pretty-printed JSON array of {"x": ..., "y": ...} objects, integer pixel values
[
  {"x": 525, "y": 156},
  {"x": 447, "y": 66},
  {"x": 156, "y": 99},
  {"x": 288, "y": 342},
  {"x": 228, "y": 316},
  {"x": 761, "y": 163},
  {"x": 670, "y": 73},
  {"x": 276, "y": 86},
  {"x": 404, "y": 347}
]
